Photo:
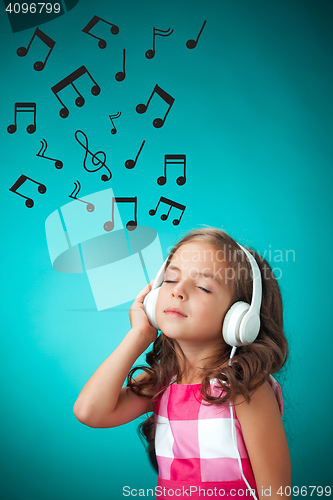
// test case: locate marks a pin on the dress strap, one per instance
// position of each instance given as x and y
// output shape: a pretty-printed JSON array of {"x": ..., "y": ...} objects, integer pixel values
[{"x": 277, "y": 391}]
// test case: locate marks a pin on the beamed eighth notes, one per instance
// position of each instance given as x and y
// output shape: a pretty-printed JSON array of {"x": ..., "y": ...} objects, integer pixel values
[
  {"x": 172, "y": 204},
  {"x": 22, "y": 51},
  {"x": 101, "y": 42},
  {"x": 142, "y": 108},
  {"x": 23, "y": 107},
  {"x": 79, "y": 101},
  {"x": 29, "y": 203}
]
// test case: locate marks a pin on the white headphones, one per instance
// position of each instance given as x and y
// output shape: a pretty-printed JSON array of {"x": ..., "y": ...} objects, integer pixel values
[{"x": 242, "y": 321}]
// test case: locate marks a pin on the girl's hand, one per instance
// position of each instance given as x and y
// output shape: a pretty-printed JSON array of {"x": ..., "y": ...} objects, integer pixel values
[{"x": 139, "y": 319}]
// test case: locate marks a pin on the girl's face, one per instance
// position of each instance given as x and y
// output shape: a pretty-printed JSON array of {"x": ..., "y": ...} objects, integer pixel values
[{"x": 195, "y": 295}]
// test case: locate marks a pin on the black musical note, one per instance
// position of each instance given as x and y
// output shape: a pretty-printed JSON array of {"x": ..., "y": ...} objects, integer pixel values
[
  {"x": 131, "y": 163},
  {"x": 29, "y": 202},
  {"x": 120, "y": 76},
  {"x": 171, "y": 203},
  {"x": 96, "y": 161},
  {"x": 191, "y": 44},
  {"x": 131, "y": 224},
  {"x": 90, "y": 207},
  {"x": 142, "y": 108},
  {"x": 102, "y": 43},
  {"x": 173, "y": 160},
  {"x": 156, "y": 32},
  {"x": 79, "y": 101},
  {"x": 58, "y": 163},
  {"x": 27, "y": 107},
  {"x": 22, "y": 51},
  {"x": 114, "y": 130}
]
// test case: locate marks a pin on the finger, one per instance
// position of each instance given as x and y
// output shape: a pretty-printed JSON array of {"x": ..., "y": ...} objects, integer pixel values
[{"x": 143, "y": 292}]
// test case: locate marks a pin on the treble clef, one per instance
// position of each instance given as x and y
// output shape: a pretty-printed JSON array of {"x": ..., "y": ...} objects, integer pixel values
[{"x": 97, "y": 162}]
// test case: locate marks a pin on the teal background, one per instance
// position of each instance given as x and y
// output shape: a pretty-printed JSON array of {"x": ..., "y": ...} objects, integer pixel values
[{"x": 253, "y": 113}]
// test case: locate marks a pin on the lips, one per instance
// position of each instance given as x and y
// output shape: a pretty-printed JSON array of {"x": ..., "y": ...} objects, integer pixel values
[{"x": 175, "y": 312}]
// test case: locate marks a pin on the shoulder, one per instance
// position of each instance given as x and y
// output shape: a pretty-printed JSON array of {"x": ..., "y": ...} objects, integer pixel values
[{"x": 263, "y": 405}]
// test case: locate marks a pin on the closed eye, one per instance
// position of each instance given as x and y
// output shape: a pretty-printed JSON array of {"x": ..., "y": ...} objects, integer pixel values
[{"x": 200, "y": 287}]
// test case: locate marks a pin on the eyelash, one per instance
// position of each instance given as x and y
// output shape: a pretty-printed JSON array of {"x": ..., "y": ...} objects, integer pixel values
[{"x": 201, "y": 287}]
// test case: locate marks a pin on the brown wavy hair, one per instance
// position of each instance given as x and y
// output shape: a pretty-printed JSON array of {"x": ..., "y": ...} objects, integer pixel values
[{"x": 251, "y": 365}]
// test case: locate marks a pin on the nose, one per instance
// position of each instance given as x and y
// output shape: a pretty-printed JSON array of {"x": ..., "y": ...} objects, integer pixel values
[{"x": 179, "y": 291}]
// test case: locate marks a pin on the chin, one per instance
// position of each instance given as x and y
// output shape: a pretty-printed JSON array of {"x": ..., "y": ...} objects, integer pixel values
[
  {"x": 167, "y": 329},
  {"x": 176, "y": 334}
]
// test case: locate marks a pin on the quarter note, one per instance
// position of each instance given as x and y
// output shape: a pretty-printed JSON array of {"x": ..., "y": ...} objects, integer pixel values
[
  {"x": 191, "y": 44},
  {"x": 156, "y": 32},
  {"x": 101, "y": 43},
  {"x": 131, "y": 163},
  {"x": 29, "y": 202},
  {"x": 22, "y": 51},
  {"x": 90, "y": 207},
  {"x": 79, "y": 101},
  {"x": 114, "y": 130},
  {"x": 58, "y": 163},
  {"x": 142, "y": 108},
  {"x": 23, "y": 107},
  {"x": 173, "y": 160},
  {"x": 120, "y": 76},
  {"x": 95, "y": 160},
  {"x": 172, "y": 204},
  {"x": 131, "y": 224}
]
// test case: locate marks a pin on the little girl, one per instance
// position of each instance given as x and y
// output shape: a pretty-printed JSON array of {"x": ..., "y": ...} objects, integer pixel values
[{"x": 216, "y": 422}]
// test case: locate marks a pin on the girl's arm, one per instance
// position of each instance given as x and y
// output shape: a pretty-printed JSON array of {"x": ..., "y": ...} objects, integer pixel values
[
  {"x": 103, "y": 402},
  {"x": 266, "y": 442}
]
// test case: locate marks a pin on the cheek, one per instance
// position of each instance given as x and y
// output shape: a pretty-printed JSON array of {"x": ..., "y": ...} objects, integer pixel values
[
  {"x": 204, "y": 309},
  {"x": 212, "y": 312}
]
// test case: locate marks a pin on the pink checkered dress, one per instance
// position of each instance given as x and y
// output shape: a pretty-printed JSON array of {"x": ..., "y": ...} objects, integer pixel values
[{"x": 194, "y": 446}]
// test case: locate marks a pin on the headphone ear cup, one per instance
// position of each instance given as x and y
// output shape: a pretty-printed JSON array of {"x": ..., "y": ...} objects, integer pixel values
[
  {"x": 232, "y": 321},
  {"x": 149, "y": 305},
  {"x": 249, "y": 328}
]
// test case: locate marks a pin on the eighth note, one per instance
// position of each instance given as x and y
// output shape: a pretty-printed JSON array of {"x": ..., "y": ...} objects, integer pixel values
[
  {"x": 131, "y": 224},
  {"x": 142, "y": 108},
  {"x": 172, "y": 204},
  {"x": 58, "y": 164},
  {"x": 114, "y": 130},
  {"x": 23, "y": 107},
  {"x": 90, "y": 207},
  {"x": 102, "y": 43},
  {"x": 29, "y": 202},
  {"x": 131, "y": 163},
  {"x": 191, "y": 44},
  {"x": 173, "y": 160},
  {"x": 156, "y": 32},
  {"x": 22, "y": 51},
  {"x": 95, "y": 160}
]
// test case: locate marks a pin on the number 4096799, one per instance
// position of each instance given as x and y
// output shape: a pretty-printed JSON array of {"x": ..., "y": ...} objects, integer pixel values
[
  {"x": 305, "y": 491},
  {"x": 33, "y": 8}
]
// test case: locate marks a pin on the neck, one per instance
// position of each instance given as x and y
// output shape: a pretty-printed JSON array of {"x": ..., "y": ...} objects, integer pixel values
[{"x": 195, "y": 360}]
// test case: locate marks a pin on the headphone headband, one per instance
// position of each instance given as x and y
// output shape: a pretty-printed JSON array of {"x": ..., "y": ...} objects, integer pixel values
[{"x": 256, "y": 282}]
